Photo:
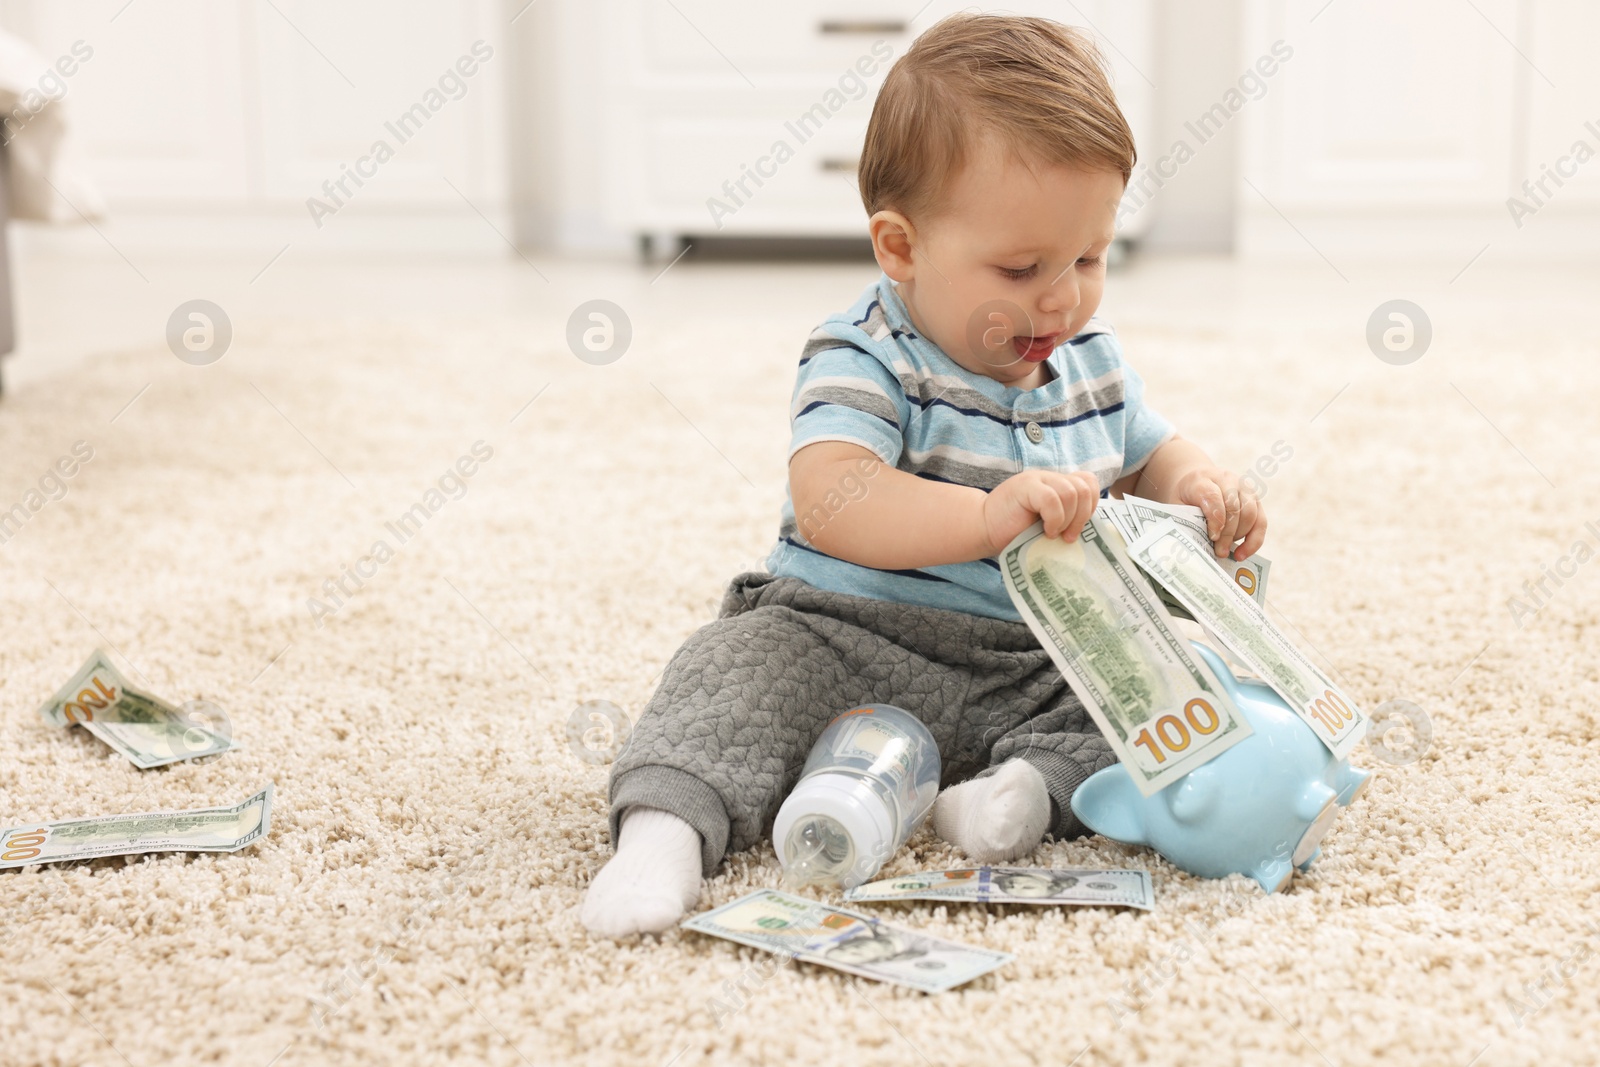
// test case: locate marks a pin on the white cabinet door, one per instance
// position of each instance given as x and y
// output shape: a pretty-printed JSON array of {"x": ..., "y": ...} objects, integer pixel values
[
  {"x": 159, "y": 107},
  {"x": 243, "y": 103},
  {"x": 1385, "y": 105},
  {"x": 732, "y": 119},
  {"x": 338, "y": 79},
  {"x": 1564, "y": 130}
]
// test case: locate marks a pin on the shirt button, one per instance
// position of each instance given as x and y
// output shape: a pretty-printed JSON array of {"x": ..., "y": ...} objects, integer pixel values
[{"x": 1034, "y": 431}]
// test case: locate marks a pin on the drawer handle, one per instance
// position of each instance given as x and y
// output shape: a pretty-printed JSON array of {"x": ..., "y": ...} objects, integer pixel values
[
  {"x": 838, "y": 163},
  {"x": 840, "y": 26}
]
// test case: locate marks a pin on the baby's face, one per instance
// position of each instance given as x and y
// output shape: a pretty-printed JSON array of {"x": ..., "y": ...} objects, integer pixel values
[{"x": 1013, "y": 264}]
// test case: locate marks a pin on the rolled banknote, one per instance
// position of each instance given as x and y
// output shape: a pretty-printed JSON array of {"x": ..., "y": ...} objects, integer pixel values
[
  {"x": 1249, "y": 574},
  {"x": 1174, "y": 560},
  {"x": 201, "y": 830},
  {"x": 1015, "y": 885},
  {"x": 846, "y": 941},
  {"x": 1157, "y": 703},
  {"x": 146, "y": 729}
]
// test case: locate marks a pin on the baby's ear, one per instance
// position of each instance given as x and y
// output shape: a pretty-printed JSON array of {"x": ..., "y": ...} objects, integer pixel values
[
  {"x": 892, "y": 237},
  {"x": 1110, "y": 805}
]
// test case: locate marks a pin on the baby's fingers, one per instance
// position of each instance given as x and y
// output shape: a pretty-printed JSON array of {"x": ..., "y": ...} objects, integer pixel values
[
  {"x": 1044, "y": 501},
  {"x": 1231, "y": 524},
  {"x": 1207, "y": 496},
  {"x": 1255, "y": 533},
  {"x": 1069, "y": 492},
  {"x": 1086, "y": 497}
]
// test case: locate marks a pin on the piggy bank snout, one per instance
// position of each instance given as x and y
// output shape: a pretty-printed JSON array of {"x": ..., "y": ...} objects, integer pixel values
[{"x": 1318, "y": 806}]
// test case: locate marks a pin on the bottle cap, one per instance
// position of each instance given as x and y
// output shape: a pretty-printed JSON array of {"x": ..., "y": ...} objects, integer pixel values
[{"x": 823, "y": 808}]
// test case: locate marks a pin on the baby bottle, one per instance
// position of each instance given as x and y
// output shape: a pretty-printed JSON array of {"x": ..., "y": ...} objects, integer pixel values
[{"x": 867, "y": 785}]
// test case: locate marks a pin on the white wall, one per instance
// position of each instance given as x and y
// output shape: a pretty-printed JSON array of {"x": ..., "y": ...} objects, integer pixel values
[
  {"x": 557, "y": 167},
  {"x": 1198, "y": 58}
]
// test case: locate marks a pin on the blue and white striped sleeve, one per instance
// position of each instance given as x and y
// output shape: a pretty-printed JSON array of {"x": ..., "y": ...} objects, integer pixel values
[
  {"x": 1143, "y": 429},
  {"x": 845, "y": 394}
]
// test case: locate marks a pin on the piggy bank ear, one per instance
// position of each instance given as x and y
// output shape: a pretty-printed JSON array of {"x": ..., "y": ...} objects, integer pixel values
[
  {"x": 1109, "y": 804},
  {"x": 1191, "y": 799},
  {"x": 1352, "y": 783}
]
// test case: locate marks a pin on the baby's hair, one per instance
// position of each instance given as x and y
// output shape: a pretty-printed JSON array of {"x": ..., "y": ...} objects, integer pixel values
[{"x": 1040, "y": 87}]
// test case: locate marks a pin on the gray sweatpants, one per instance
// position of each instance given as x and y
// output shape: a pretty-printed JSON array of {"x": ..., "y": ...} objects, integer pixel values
[{"x": 724, "y": 736}]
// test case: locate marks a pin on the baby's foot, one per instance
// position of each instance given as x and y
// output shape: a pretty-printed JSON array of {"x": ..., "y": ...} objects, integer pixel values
[
  {"x": 996, "y": 818},
  {"x": 650, "y": 883}
]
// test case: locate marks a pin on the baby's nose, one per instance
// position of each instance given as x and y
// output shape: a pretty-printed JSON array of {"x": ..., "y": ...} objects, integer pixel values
[{"x": 1062, "y": 296}]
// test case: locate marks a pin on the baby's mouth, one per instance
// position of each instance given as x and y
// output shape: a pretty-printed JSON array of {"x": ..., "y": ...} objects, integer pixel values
[{"x": 1035, "y": 349}]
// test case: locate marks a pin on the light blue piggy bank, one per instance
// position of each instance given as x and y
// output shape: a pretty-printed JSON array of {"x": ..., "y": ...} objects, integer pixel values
[{"x": 1261, "y": 808}]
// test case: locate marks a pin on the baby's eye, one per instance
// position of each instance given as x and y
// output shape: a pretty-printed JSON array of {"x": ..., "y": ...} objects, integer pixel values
[
  {"x": 1019, "y": 273},
  {"x": 1091, "y": 262}
]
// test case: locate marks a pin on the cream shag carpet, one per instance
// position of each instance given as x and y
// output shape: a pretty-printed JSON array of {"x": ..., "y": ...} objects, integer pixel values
[{"x": 416, "y": 899}]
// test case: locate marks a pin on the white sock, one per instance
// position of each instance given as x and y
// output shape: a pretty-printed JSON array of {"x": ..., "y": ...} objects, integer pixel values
[
  {"x": 650, "y": 883},
  {"x": 996, "y": 818}
]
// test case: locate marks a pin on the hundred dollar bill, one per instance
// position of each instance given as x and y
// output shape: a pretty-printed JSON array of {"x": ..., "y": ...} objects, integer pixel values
[
  {"x": 1238, "y": 621},
  {"x": 1014, "y": 885},
  {"x": 1248, "y": 574},
  {"x": 846, "y": 941},
  {"x": 146, "y": 729},
  {"x": 1157, "y": 703},
  {"x": 1120, "y": 514},
  {"x": 1121, "y": 519},
  {"x": 202, "y": 830}
]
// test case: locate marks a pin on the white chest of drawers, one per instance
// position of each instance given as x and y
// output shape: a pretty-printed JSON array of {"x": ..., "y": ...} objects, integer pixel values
[{"x": 733, "y": 119}]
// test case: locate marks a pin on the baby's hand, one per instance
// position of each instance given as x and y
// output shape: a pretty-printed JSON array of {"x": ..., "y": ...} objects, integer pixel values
[
  {"x": 1231, "y": 509},
  {"x": 1063, "y": 502}
]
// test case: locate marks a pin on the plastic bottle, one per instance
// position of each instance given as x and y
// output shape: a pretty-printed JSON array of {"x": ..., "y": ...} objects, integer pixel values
[{"x": 867, "y": 785}]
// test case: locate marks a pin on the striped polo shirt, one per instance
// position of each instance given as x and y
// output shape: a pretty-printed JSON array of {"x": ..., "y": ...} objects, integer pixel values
[{"x": 867, "y": 377}]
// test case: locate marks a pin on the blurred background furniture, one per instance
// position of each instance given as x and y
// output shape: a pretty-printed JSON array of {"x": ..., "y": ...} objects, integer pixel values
[
  {"x": 692, "y": 127},
  {"x": 596, "y": 124},
  {"x": 1383, "y": 134}
]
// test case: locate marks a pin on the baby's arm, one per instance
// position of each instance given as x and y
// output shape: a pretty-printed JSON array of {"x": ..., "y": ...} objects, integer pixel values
[
  {"x": 1180, "y": 472},
  {"x": 903, "y": 521}
]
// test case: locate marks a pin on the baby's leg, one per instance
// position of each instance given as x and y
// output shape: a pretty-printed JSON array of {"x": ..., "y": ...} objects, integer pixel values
[
  {"x": 726, "y": 734},
  {"x": 717, "y": 748},
  {"x": 1035, "y": 766}
]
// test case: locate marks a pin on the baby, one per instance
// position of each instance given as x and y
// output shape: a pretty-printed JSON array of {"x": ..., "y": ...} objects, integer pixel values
[{"x": 966, "y": 395}]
